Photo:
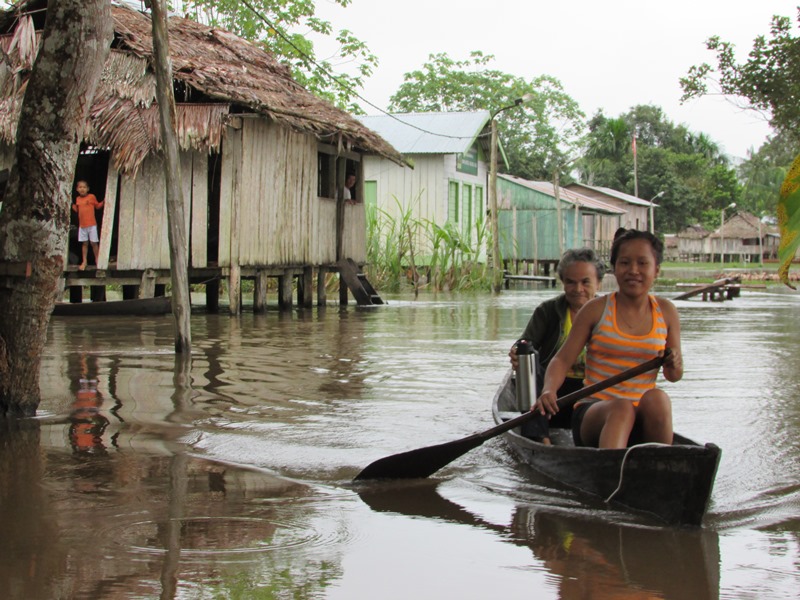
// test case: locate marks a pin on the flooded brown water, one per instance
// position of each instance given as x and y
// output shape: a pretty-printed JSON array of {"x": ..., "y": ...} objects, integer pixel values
[{"x": 229, "y": 477}]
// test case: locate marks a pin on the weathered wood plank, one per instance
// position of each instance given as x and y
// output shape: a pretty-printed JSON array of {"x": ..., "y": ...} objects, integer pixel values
[
  {"x": 228, "y": 172},
  {"x": 109, "y": 211},
  {"x": 260, "y": 292},
  {"x": 126, "y": 205},
  {"x": 199, "y": 212}
]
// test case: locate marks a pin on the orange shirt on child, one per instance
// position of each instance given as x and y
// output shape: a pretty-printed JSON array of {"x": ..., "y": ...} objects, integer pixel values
[{"x": 85, "y": 207}]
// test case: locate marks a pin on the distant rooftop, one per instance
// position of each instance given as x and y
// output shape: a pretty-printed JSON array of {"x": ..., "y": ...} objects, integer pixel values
[
  {"x": 566, "y": 195},
  {"x": 615, "y": 194},
  {"x": 431, "y": 132}
]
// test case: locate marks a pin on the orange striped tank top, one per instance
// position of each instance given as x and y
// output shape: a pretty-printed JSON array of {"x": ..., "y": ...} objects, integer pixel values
[{"x": 610, "y": 351}]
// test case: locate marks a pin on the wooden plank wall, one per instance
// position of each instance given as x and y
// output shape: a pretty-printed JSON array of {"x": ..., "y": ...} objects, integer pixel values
[
  {"x": 323, "y": 241},
  {"x": 143, "y": 241},
  {"x": 109, "y": 210},
  {"x": 194, "y": 177},
  {"x": 354, "y": 244},
  {"x": 142, "y": 218},
  {"x": 229, "y": 177},
  {"x": 280, "y": 219}
]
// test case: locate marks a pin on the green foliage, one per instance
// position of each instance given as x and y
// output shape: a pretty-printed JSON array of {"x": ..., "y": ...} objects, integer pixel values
[
  {"x": 687, "y": 167},
  {"x": 403, "y": 251},
  {"x": 537, "y": 136},
  {"x": 284, "y": 28},
  {"x": 769, "y": 79},
  {"x": 763, "y": 172}
]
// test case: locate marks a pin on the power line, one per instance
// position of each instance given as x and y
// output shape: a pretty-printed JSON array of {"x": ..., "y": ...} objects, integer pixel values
[{"x": 343, "y": 84}]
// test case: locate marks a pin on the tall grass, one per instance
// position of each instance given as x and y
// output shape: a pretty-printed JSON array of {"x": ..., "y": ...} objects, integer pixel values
[{"x": 403, "y": 252}]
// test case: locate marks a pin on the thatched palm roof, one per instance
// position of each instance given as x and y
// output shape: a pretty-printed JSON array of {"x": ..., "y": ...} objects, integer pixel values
[
  {"x": 220, "y": 73},
  {"x": 693, "y": 232},
  {"x": 743, "y": 225}
]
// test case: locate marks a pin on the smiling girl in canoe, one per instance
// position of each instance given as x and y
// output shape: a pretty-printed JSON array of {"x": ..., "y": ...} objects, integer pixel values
[{"x": 620, "y": 331}]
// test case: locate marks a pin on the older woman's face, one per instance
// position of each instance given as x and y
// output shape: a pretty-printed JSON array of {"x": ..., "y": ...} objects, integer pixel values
[{"x": 580, "y": 283}]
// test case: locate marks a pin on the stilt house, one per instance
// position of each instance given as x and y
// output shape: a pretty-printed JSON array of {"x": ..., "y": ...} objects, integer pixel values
[
  {"x": 263, "y": 161},
  {"x": 530, "y": 219}
]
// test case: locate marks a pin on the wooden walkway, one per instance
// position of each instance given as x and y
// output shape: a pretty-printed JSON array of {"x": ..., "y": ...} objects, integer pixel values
[
  {"x": 727, "y": 288},
  {"x": 508, "y": 278}
]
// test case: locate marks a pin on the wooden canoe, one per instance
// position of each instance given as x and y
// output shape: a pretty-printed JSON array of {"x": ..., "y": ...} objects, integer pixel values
[
  {"x": 160, "y": 305},
  {"x": 671, "y": 483}
]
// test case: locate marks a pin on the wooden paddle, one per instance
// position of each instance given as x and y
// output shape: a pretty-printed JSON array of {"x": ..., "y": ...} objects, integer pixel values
[{"x": 426, "y": 461}]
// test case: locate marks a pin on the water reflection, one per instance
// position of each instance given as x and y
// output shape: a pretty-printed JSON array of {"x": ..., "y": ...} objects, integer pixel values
[
  {"x": 154, "y": 497},
  {"x": 173, "y": 525},
  {"x": 87, "y": 422},
  {"x": 586, "y": 557}
]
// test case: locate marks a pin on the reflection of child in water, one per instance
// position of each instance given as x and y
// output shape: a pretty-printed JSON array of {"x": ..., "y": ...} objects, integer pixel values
[{"x": 87, "y": 423}]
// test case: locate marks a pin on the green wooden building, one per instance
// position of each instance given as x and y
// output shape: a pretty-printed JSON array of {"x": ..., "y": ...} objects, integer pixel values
[{"x": 531, "y": 214}]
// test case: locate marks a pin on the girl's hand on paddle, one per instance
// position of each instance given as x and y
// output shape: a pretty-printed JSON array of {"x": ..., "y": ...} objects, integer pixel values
[{"x": 546, "y": 404}]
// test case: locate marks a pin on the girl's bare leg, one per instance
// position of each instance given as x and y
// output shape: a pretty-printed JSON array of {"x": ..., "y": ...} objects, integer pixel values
[{"x": 608, "y": 424}]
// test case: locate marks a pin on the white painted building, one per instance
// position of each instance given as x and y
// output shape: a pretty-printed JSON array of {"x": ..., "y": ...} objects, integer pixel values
[{"x": 448, "y": 182}]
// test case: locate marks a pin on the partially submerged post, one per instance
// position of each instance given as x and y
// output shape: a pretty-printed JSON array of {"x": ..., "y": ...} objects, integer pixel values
[{"x": 176, "y": 220}]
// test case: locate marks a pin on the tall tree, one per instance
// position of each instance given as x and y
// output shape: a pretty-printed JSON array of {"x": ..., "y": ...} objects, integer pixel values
[
  {"x": 769, "y": 81},
  {"x": 35, "y": 215},
  {"x": 537, "y": 136},
  {"x": 286, "y": 28},
  {"x": 607, "y": 159},
  {"x": 688, "y": 167}
]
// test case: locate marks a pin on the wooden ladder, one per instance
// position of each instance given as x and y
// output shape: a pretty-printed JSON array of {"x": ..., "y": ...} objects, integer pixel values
[{"x": 358, "y": 284}]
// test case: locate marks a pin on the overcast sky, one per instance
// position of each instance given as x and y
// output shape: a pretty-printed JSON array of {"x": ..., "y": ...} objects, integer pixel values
[{"x": 610, "y": 55}]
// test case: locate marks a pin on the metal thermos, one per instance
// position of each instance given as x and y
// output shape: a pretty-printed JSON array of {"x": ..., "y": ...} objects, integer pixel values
[{"x": 526, "y": 375}]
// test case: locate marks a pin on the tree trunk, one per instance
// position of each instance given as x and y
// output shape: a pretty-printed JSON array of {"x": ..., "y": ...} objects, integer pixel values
[
  {"x": 178, "y": 248},
  {"x": 35, "y": 216}
]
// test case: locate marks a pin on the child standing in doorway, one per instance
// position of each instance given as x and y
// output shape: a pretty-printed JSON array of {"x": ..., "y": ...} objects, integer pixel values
[{"x": 85, "y": 205}]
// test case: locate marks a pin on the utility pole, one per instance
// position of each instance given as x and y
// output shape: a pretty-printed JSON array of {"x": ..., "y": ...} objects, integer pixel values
[{"x": 497, "y": 272}]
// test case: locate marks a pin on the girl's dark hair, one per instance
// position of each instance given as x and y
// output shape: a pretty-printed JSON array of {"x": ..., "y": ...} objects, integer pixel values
[
  {"x": 623, "y": 235},
  {"x": 586, "y": 255}
]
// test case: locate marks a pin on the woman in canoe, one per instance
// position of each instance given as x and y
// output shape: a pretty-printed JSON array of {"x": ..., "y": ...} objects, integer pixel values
[
  {"x": 581, "y": 274},
  {"x": 620, "y": 331}
]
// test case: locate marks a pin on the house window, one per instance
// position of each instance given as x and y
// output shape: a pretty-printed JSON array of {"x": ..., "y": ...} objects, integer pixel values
[
  {"x": 479, "y": 208},
  {"x": 453, "y": 202},
  {"x": 326, "y": 187},
  {"x": 466, "y": 203}
]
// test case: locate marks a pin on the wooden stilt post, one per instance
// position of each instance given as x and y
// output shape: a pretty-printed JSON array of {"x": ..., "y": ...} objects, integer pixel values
[
  {"x": 322, "y": 293},
  {"x": 260, "y": 292},
  {"x": 306, "y": 288},
  {"x": 285, "y": 291}
]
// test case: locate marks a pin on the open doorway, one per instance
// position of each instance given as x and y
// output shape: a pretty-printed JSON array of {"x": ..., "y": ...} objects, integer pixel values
[{"x": 92, "y": 167}]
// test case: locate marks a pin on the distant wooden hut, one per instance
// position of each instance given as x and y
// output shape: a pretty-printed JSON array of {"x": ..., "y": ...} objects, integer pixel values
[
  {"x": 744, "y": 238},
  {"x": 692, "y": 244},
  {"x": 637, "y": 211},
  {"x": 263, "y": 160},
  {"x": 529, "y": 221}
]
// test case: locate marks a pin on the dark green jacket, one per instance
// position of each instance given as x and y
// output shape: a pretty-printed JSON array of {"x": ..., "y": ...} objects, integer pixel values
[{"x": 545, "y": 327}]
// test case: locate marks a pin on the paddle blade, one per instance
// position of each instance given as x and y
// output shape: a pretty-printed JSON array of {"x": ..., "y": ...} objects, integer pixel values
[{"x": 421, "y": 462}]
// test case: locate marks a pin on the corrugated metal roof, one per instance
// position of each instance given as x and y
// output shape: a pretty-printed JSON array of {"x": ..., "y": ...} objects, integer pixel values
[
  {"x": 429, "y": 133},
  {"x": 615, "y": 194},
  {"x": 567, "y": 195}
]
